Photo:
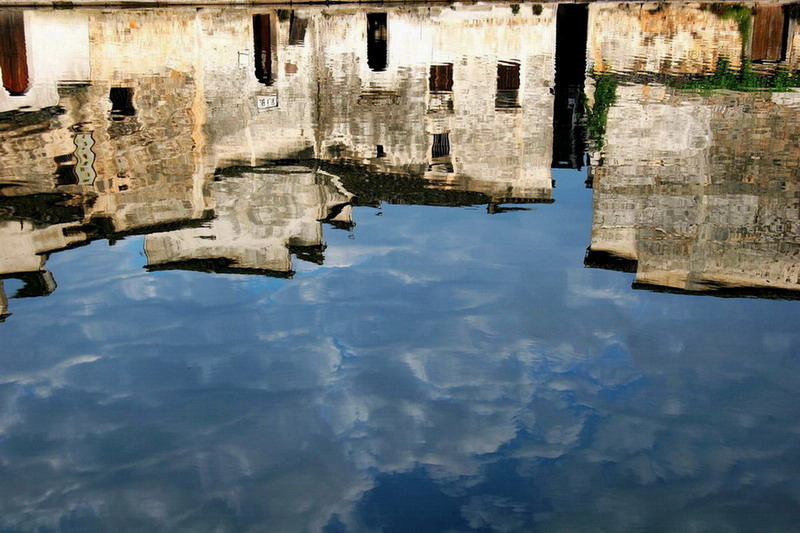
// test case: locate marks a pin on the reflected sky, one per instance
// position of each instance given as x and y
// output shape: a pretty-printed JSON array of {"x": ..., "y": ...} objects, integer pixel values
[
  {"x": 472, "y": 377},
  {"x": 386, "y": 300}
]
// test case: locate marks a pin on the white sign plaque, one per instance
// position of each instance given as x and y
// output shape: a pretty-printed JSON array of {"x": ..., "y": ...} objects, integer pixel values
[{"x": 266, "y": 102}]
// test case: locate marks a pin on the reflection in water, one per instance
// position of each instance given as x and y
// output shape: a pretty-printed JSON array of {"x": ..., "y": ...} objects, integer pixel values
[
  {"x": 262, "y": 44},
  {"x": 700, "y": 192},
  {"x": 13, "y": 53},
  {"x": 428, "y": 369},
  {"x": 568, "y": 134},
  {"x": 770, "y": 33},
  {"x": 377, "y": 35},
  {"x": 260, "y": 217}
]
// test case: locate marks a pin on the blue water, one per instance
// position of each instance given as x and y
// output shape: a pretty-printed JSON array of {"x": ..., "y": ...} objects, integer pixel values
[{"x": 444, "y": 370}]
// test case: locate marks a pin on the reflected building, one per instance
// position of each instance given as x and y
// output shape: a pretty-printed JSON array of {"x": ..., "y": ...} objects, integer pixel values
[
  {"x": 24, "y": 248},
  {"x": 700, "y": 192},
  {"x": 385, "y": 90},
  {"x": 692, "y": 191},
  {"x": 460, "y": 98},
  {"x": 134, "y": 117},
  {"x": 263, "y": 216},
  {"x": 124, "y": 143},
  {"x": 117, "y": 149},
  {"x": 257, "y": 94}
]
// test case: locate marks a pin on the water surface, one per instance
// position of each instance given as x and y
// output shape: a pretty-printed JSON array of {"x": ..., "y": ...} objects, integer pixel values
[{"x": 423, "y": 268}]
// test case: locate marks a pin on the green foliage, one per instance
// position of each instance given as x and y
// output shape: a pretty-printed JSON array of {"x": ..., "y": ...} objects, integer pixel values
[
  {"x": 744, "y": 79},
  {"x": 514, "y": 8},
  {"x": 536, "y": 9},
  {"x": 605, "y": 95}
]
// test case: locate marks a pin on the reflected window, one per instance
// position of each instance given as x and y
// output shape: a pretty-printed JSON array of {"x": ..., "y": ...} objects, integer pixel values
[
  {"x": 770, "y": 34},
  {"x": 377, "y": 38},
  {"x": 297, "y": 30},
  {"x": 441, "y": 79},
  {"x": 441, "y": 145},
  {"x": 507, "y": 84},
  {"x": 262, "y": 45},
  {"x": 65, "y": 170},
  {"x": 13, "y": 53},
  {"x": 121, "y": 102},
  {"x": 380, "y": 151}
]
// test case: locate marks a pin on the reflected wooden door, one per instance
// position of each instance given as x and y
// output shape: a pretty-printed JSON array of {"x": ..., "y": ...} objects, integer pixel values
[{"x": 13, "y": 53}]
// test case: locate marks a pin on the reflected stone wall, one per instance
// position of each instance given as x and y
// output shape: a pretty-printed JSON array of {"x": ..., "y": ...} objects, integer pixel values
[
  {"x": 144, "y": 123},
  {"x": 701, "y": 191},
  {"x": 132, "y": 160},
  {"x": 243, "y": 125},
  {"x": 660, "y": 38},
  {"x": 24, "y": 244}
]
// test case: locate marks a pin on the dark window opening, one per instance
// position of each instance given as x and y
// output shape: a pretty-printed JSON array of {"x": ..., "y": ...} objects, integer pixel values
[
  {"x": 380, "y": 151},
  {"x": 770, "y": 34},
  {"x": 377, "y": 38},
  {"x": 262, "y": 45},
  {"x": 441, "y": 145},
  {"x": 297, "y": 30},
  {"x": 13, "y": 53},
  {"x": 507, "y": 84},
  {"x": 441, "y": 78},
  {"x": 121, "y": 101}
]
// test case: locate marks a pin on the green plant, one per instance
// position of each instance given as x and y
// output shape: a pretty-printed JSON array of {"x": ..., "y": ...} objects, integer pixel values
[
  {"x": 743, "y": 79},
  {"x": 605, "y": 95}
]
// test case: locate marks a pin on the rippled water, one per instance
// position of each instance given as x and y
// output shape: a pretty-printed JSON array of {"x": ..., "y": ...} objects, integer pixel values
[{"x": 501, "y": 267}]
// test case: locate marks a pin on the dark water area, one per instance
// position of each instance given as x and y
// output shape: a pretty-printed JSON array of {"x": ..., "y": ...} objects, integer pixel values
[{"x": 503, "y": 267}]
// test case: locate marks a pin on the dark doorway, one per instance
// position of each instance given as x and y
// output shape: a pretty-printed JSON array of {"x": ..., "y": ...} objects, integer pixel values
[{"x": 569, "y": 145}]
